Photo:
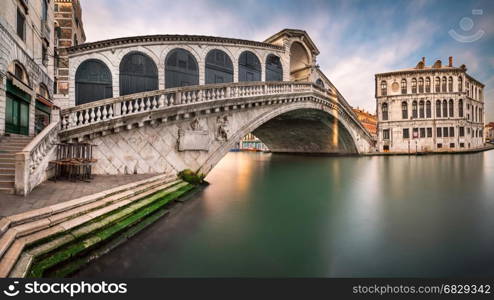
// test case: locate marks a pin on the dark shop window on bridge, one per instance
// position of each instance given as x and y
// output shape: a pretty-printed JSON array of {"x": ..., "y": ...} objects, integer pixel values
[
  {"x": 219, "y": 67},
  {"x": 181, "y": 69},
  {"x": 92, "y": 82},
  {"x": 274, "y": 70},
  {"x": 249, "y": 67},
  {"x": 138, "y": 73}
]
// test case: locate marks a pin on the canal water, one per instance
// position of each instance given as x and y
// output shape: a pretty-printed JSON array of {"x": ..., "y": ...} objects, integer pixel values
[{"x": 266, "y": 215}]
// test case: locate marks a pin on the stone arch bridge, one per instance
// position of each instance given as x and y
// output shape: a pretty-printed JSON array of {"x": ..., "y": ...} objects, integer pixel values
[{"x": 149, "y": 114}]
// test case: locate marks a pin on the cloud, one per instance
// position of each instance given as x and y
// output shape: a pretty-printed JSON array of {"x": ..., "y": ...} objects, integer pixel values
[{"x": 356, "y": 39}]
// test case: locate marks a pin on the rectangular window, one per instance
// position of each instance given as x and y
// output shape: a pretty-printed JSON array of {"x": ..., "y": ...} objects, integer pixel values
[
  {"x": 462, "y": 131},
  {"x": 439, "y": 145},
  {"x": 21, "y": 20},
  {"x": 406, "y": 133},
  {"x": 462, "y": 145},
  {"x": 439, "y": 132},
  {"x": 386, "y": 134},
  {"x": 422, "y": 132},
  {"x": 415, "y": 133},
  {"x": 451, "y": 145},
  {"x": 468, "y": 130},
  {"x": 451, "y": 131},
  {"x": 429, "y": 132},
  {"x": 445, "y": 131}
]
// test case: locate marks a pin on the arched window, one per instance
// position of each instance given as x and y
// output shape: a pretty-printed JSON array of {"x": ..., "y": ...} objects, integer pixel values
[
  {"x": 421, "y": 109},
  {"x": 438, "y": 85},
  {"x": 450, "y": 84},
  {"x": 438, "y": 108},
  {"x": 219, "y": 67},
  {"x": 414, "y": 86},
  {"x": 249, "y": 67},
  {"x": 404, "y": 110},
  {"x": 445, "y": 109},
  {"x": 414, "y": 110},
  {"x": 384, "y": 88},
  {"x": 451, "y": 108},
  {"x": 181, "y": 69},
  {"x": 138, "y": 73},
  {"x": 320, "y": 83},
  {"x": 467, "y": 88},
  {"x": 403, "y": 86},
  {"x": 460, "y": 84},
  {"x": 428, "y": 109},
  {"x": 385, "y": 111},
  {"x": 274, "y": 70},
  {"x": 427, "y": 85},
  {"x": 93, "y": 82},
  {"x": 460, "y": 108},
  {"x": 444, "y": 84},
  {"x": 421, "y": 85}
]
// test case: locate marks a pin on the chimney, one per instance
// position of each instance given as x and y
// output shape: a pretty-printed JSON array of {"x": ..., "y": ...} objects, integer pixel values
[{"x": 450, "y": 61}]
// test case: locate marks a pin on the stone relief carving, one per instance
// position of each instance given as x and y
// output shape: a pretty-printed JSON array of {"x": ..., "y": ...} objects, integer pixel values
[
  {"x": 222, "y": 130},
  {"x": 193, "y": 139}
]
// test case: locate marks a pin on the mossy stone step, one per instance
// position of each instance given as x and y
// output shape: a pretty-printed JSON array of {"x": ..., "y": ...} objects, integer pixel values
[{"x": 95, "y": 237}]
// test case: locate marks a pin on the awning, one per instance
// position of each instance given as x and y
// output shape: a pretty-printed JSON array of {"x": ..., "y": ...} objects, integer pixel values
[
  {"x": 45, "y": 101},
  {"x": 20, "y": 85}
]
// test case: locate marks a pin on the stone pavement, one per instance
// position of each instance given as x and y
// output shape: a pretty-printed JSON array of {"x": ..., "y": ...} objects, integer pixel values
[{"x": 50, "y": 192}]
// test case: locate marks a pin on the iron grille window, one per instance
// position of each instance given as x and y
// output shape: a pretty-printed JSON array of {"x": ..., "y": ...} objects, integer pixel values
[
  {"x": 93, "y": 81},
  {"x": 438, "y": 109},
  {"x": 274, "y": 70},
  {"x": 451, "y": 131},
  {"x": 439, "y": 132},
  {"x": 181, "y": 69},
  {"x": 429, "y": 132},
  {"x": 414, "y": 86},
  {"x": 403, "y": 86},
  {"x": 422, "y": 132},
  {"x": 462, "y": 131},
  {"x": 428, "y": 109},
  {"x": 421, "y": 85},
  {"x": 249, "y": 67},
  {"x": 138, "y": 73},
  {"x": 219, "y": 67}
]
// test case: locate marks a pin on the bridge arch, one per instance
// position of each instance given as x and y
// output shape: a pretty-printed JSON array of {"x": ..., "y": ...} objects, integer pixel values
[
  {"x": 138, "y": 72},
  {"x": 300, "y": 61},
  {"x": 339, "y": 125}
]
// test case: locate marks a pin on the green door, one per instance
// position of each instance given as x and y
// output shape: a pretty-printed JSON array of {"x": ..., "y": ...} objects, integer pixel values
[{"x": 17, "y": 111}]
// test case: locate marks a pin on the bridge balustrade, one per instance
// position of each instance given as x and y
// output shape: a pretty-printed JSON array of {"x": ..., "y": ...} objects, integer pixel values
[{"x": 108, "y": 109}]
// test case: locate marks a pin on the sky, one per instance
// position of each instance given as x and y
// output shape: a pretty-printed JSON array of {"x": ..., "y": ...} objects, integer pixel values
[{"x": 356, "y": 38}]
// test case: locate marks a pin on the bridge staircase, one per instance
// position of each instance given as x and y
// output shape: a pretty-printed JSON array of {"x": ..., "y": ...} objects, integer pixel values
[
  {"x": 58, "y": 239},
  {"x": 9, "y": 146}
]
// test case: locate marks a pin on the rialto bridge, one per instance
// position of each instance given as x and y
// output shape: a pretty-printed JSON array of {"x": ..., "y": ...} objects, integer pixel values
[{"x": 163, "y": 103}]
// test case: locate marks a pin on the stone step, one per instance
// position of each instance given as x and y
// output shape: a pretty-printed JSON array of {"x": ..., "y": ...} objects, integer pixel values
[
  {"x": 10, "y": 165},
  {"x": 34, "y": 229},
  {"x": 7, "y": 170},
  {"x": 10, "y": 148},
  {"x": 84, "y": 234},
  {"x": 7, "y": 177},
  {"x": 7, "y": 160},
  {"x": 7, "y": 190},
  {"x": 7, "y": 183},
  {"x": 7, "y": 155}
]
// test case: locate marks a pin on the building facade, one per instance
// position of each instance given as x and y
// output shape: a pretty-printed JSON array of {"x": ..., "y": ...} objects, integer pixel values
[
  {"x": 489, "y": 132},
  {"x": 26, "y": 66},
  {"x": 69, "y": 31},
  {"x": 368, "y": 120},
  {"x": 429, "y": 109}
]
